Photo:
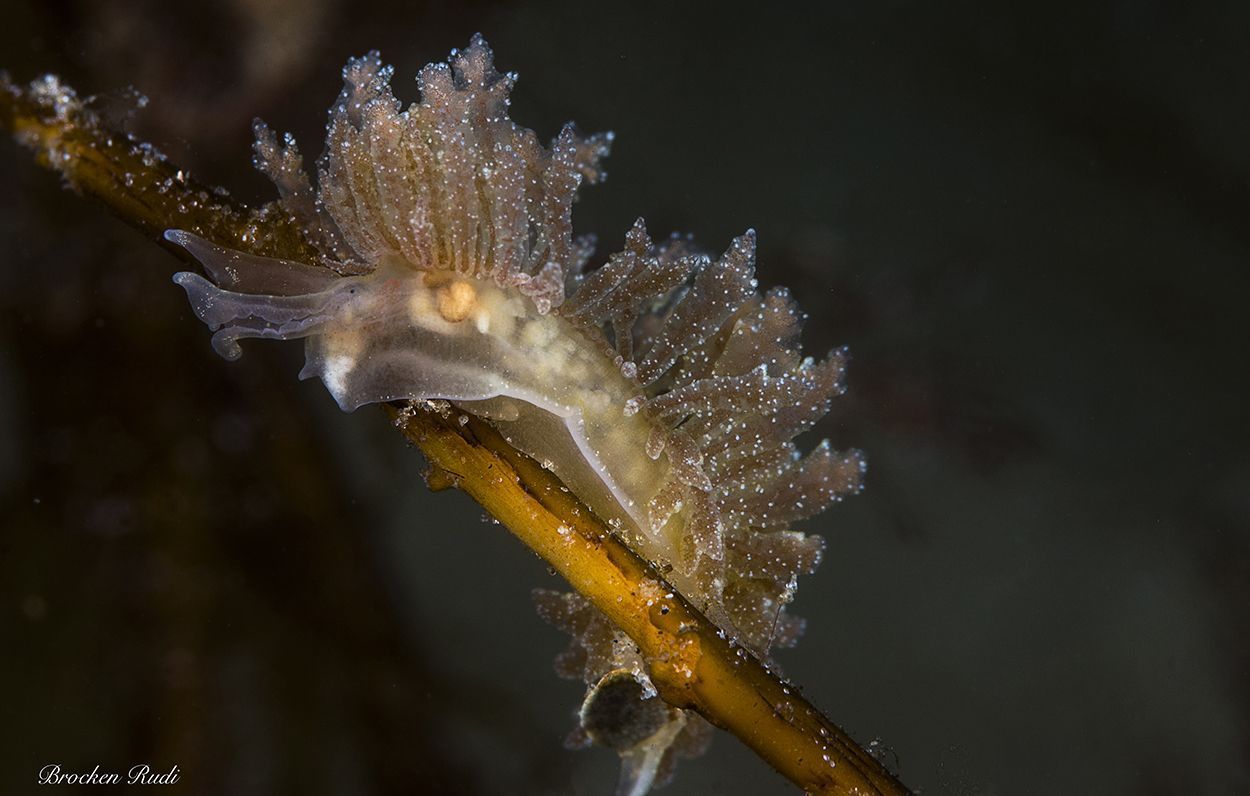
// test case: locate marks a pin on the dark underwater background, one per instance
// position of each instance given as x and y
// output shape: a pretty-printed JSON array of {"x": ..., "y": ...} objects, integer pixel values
[{"x": 1029, "y": 222}]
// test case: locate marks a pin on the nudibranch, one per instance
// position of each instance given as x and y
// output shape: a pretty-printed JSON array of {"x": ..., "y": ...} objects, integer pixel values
[{"x": 661, "y": 387}]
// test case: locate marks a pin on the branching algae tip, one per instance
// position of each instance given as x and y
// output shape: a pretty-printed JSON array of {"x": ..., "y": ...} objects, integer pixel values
[{"x": 661, "y": 386}]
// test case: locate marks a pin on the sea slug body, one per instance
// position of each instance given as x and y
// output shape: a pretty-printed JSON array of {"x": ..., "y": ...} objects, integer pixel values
[{"x": 661, "y": 387}]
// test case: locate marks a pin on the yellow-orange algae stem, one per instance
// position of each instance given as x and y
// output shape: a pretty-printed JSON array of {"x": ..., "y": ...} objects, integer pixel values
[{"x": 690, "y": 662}]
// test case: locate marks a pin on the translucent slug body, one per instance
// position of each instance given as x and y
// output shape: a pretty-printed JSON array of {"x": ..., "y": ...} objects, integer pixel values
[{"x": 661, "y": 387}]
